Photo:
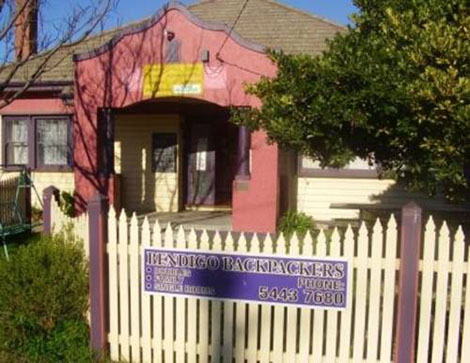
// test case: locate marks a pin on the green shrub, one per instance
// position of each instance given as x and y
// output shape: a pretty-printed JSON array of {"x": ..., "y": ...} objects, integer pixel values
[
  {"x": 296, "y": 222},
  {"x": 43, "y": 302}
]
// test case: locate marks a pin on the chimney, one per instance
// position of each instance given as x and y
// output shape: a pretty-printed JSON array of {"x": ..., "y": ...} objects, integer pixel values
[{"x": 26, "y": 29}]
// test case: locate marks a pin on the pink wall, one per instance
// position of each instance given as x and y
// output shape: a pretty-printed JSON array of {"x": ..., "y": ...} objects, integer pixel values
[
  {"x": 37, "y": 105},
  {"x": 256, "y": 201},
  {"x": 114, "y": 79}
]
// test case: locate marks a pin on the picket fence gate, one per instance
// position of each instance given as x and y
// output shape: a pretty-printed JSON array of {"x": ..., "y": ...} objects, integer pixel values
[{"x": 153, "y": 328}]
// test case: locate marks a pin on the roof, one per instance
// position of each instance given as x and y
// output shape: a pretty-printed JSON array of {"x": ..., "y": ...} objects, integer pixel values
[
  {"x": 271, "y": 23},
  {"x": 266, "y": 22}
]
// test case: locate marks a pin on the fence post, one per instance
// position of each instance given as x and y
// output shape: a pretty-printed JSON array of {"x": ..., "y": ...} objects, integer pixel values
[
  {"x": 405, "y": 338},
  {"x": 47, "y": 197},
  {"x": 27, "y": 197},
  {"x": 98, "y": 226}
]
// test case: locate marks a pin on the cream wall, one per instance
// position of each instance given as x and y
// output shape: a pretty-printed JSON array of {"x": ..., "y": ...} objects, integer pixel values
[
  {"x": 141, "y": 189},
  {"x": 316, "y": 195},
  {"x": 64, "y": 181}
]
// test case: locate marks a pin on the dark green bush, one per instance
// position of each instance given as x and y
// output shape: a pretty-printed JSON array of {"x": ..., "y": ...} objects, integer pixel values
[
  {"x": 296, "y": 222},
  {"x": 67, "y": 204},
  {"x": 43, "y": 302}
]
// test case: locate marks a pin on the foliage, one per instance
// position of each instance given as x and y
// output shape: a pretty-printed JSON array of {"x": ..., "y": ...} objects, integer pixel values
[
  {"x": 43, "y": 302},
  {"x": 393, "y": 88},
  {"x": 296, "y": 222},
  {"x": 67, "y": 204},
  {"x": 36, "y": 214}
]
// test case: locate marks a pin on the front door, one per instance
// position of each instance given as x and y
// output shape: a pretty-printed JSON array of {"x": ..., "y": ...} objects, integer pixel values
[{"x": 201, "y": 165}]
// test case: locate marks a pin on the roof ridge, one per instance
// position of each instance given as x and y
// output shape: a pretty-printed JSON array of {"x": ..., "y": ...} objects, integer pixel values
[
  {"x": 308, "y": 13},
  {"x": 282, "y": 5}
]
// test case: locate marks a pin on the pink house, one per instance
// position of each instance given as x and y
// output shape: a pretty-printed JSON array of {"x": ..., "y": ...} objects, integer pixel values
[{"x": 142, "y": 114}]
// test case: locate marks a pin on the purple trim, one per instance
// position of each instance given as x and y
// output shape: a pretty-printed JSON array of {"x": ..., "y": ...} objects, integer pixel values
[
  {"x": 39, "y": 166},
  {"x": 172, "y": 5},
  {"x": 338, "y": 173},
  {"x": 31, "y": 143},
  {"x": 171, "y": 139},
  {"x": 4, "y": 143},
  {"x": 5, "y": 131},
  {"x": 407, "y": 308},
  {"x": 334, "y": 173},
  {"x": 27, "y": 198},
  {"x": 98, "y": 219},
  {"x": 47, "y": 195},
  {"x": 244, "y": 143},
  {"x": 106, "y": 140}
]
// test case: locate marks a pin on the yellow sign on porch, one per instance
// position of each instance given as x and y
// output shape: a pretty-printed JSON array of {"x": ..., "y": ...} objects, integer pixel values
[{"x": 174, "y": 79}]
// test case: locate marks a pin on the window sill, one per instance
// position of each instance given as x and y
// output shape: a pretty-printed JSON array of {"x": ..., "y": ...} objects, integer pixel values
[
  {"x": 338, "y": 173},
  {"x": 52, "y": 169}
]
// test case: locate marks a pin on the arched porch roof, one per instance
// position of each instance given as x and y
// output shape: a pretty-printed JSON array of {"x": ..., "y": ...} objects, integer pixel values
[{"x": 173, "y": 54}]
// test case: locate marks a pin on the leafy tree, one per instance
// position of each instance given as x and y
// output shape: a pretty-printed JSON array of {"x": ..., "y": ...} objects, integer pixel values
[{"x": 393, "y": 88}]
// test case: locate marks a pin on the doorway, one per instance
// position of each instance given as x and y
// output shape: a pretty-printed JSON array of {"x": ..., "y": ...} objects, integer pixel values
[{"x": 211, "y": 158}]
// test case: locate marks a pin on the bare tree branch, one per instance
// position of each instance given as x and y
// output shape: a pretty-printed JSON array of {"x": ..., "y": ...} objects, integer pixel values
[{"x": 60, "y": 41}]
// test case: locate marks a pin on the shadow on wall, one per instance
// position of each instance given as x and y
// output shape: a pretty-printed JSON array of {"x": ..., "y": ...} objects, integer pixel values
[
  {"x": 128, "y": 70},
  {"x": 437, "y": 207}
]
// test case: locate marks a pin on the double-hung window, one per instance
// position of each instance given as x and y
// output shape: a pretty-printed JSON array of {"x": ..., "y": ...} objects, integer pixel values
[
  {"x": 52, "y": 146},
  {"x": 40, "y": 142},
  {"x": 16, "y": 141}
]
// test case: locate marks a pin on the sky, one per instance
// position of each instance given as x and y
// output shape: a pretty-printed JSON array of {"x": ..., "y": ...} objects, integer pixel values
[
  {"x": 56, "y": 12},
  {"x": 337, "y": 10}
]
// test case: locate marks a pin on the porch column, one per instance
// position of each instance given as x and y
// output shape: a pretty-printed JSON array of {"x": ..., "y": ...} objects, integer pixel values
[
  {"x": 243, "y": 161},
  {"x": 97, "y": 239},
  {"x": 109, "y": 183},
  {"x": 106, "y": 140}
]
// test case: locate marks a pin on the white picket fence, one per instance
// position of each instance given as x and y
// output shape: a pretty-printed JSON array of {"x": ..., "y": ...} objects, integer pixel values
[
  {"x": 167, "y": 329},
  {"x": 444, "y": 298},
  {"x": 175, "y": 329}
]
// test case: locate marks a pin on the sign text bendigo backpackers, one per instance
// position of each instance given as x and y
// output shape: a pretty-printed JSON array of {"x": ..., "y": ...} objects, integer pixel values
[{"x": 304, "y": 282}]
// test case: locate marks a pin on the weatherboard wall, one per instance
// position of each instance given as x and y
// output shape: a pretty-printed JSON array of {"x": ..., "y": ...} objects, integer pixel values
[
  {"x": 141, "y": 188},
  {"x": 316, "y": 195}
]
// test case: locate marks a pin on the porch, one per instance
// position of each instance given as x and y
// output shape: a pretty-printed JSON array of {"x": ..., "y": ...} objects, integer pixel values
[
  {"x": 176, "y": 159},
  {"x": 152, "y": 132}
]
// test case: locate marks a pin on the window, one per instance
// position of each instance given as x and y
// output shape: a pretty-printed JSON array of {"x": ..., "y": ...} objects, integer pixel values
[
  {"x": 41, "y": 143},
  {"x": 357, "y": 168},
  {"x": 16, "y": 142},
  {"x": 164, "y": 153},
  {"x": 52, "y": 142}
]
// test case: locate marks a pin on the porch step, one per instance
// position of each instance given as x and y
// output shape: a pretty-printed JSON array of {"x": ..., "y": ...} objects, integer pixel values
[
  {"x": 208, "y": 208},
  {"x": 209, "y": 220}
]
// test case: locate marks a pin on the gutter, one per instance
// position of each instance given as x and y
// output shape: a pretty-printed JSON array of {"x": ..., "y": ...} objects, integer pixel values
[{"x": 41, "y": 86}]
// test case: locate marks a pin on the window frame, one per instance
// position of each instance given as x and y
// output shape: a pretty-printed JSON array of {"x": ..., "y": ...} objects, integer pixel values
[
  {"x": 346, "y": 173},
  {"x": 5, "y": 141},
  {"x": 33, "y": 159},
  {"x": 154, "y": 166}
]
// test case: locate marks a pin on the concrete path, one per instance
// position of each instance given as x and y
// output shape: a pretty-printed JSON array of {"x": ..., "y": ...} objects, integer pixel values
[{"x": 214, "y": 221}]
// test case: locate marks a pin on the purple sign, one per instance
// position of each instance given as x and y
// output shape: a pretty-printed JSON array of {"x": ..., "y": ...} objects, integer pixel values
[{"x": 293, "y": 281}]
